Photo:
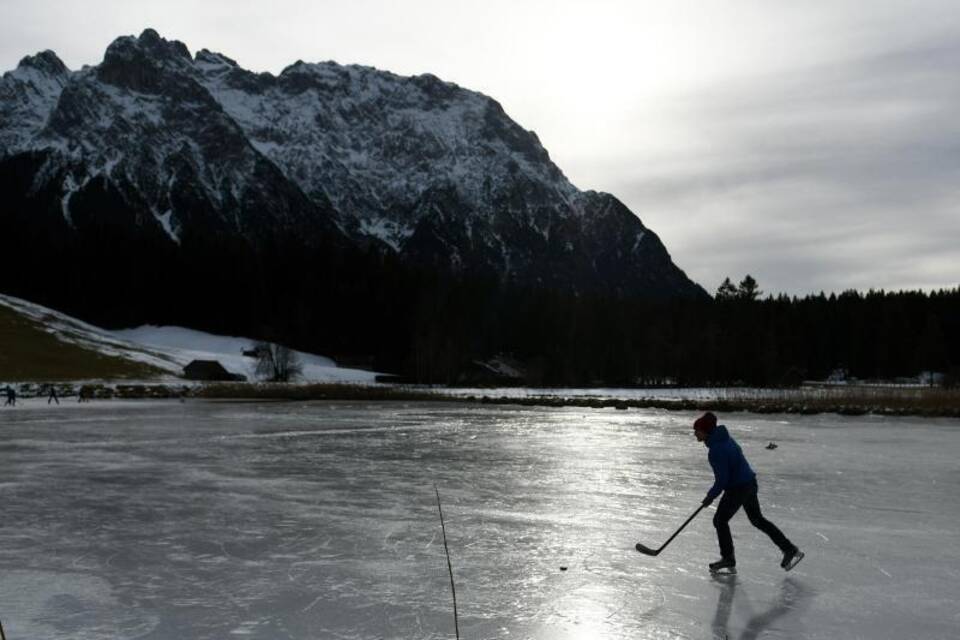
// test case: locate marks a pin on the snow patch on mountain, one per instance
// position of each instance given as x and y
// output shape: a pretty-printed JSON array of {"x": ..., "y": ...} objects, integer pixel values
[
  {"x": 70, "y": 187},
  {"x": 388, "y": 231},
  {"x": 169, "y": 226}
]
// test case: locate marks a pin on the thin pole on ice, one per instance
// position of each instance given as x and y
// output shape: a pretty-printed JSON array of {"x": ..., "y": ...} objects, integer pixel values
[{"x": 453, "y": 588}]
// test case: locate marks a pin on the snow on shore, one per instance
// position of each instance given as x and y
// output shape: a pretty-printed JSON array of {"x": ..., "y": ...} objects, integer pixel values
[
  {"x": 171, "y": 348},
  {"x": 185, "y": 345}
]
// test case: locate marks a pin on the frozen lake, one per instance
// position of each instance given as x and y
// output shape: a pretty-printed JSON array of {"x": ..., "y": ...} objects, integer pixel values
[{"x": 170, "y": 521}]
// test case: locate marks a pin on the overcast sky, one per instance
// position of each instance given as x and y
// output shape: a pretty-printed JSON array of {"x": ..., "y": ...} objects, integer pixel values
[{"x": 814, "y": 145}]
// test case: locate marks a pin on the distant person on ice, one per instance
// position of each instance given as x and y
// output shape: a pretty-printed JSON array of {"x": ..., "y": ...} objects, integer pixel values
[
  {"x": 738, "y": 483},
  {"x": 11, "y": 397}
]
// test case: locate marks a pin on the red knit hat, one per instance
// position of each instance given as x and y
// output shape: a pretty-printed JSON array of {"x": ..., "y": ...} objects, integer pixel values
[{"x": 705, "y": 423}]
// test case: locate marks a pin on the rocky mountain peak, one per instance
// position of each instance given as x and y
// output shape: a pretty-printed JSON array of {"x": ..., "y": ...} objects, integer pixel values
[
  {"x": 214, "y": 59},
  {"x": 45, "y": 62},
  {"x": 27, "y": 95},
  {"x": 161, "y": 48},
  {"x": 140, "y": 63}
]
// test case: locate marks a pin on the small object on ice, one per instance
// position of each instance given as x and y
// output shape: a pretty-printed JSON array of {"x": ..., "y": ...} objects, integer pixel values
[
  {"x": 563, "y": 568},
  {"x": 772, "y": 445}
]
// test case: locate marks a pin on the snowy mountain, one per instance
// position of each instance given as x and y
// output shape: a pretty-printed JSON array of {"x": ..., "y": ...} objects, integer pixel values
[
  {"x": 190, "y": 159},
  {"x": 141, "y": 131}
]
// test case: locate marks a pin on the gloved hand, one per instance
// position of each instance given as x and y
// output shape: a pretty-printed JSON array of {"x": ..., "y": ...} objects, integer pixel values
[{"x": 707, "y": 501}]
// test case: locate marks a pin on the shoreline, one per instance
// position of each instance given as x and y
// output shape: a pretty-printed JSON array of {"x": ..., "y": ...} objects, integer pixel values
[{"x": 855, "y": 401}]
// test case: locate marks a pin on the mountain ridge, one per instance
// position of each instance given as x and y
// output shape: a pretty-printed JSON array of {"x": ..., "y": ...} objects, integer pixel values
[{"x": 415, "y": 165}]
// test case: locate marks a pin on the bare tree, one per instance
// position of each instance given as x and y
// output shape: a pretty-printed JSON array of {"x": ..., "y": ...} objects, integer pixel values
[{"x": 277, "y": 363}]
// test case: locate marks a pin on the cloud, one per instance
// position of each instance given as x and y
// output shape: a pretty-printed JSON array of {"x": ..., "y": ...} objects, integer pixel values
[{"x": 829, "y": 177}]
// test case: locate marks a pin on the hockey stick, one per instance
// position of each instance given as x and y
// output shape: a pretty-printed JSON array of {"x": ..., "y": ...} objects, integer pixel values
[{"x": 652, "y": 552}]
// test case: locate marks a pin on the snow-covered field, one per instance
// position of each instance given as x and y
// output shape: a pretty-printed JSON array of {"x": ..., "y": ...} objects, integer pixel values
[
  {"x": 171, "y": 348},
  {"x": 185, "y": 345},
  {"x": 203, "y": 520}
]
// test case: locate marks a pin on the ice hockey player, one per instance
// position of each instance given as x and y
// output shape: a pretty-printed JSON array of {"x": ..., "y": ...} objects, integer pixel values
[{"x": 736, "y": 480}]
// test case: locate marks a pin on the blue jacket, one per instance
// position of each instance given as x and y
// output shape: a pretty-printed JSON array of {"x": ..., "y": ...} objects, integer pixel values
[{"x": 730, "y": 468}]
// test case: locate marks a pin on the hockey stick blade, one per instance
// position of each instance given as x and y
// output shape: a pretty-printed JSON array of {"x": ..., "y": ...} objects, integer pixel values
[{"x": 651, "y": 552}]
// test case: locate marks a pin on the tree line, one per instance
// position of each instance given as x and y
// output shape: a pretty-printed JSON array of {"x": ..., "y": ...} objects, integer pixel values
[
  {"x": 737, "y": 337},
  {"x": 430, "y": 326}
]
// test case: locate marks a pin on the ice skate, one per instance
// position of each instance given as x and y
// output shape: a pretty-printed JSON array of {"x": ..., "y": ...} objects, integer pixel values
[
  {"x": 791, "y": 558},
  {"x": 724, "y": 566}
]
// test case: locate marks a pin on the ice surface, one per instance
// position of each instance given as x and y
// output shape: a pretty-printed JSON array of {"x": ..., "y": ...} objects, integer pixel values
[{"x": 168, "y": 520}]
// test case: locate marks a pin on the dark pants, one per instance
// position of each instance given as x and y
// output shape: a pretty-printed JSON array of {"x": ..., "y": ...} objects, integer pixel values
[{"x": 744, "y": 496}]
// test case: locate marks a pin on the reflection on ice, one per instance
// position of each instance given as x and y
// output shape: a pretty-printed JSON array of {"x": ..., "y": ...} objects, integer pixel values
[
  {"x": 792, "y": 597},
  {"x": 293, "y": 521}
]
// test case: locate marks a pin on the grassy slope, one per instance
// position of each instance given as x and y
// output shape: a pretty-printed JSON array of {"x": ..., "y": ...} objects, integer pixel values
[{"x": 29, "y": 353}]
